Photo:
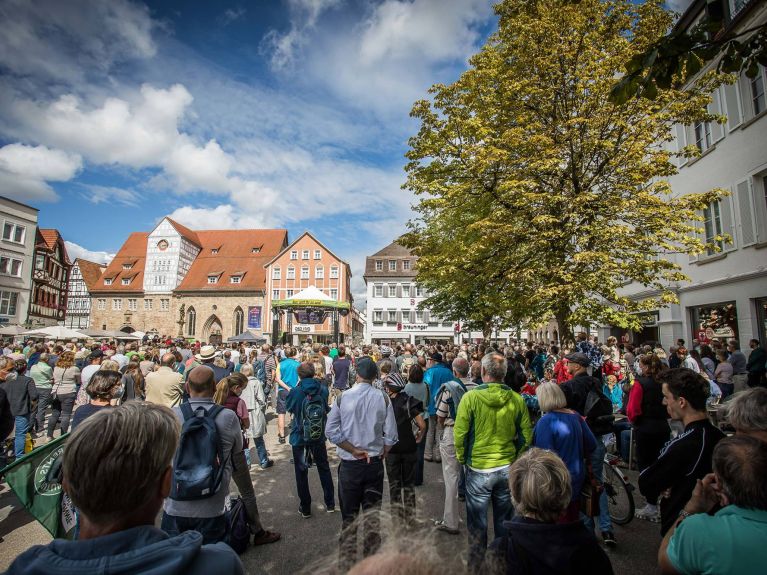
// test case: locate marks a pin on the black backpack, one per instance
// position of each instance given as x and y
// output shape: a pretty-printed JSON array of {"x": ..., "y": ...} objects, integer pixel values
[
  {"x": 313, "y": 418},
  {"x": 198, "y": 465},
  {"x": 598, "y": 411}
]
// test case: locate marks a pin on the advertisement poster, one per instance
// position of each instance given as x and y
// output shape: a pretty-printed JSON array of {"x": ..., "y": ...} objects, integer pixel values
[{"x": 254, "y": 317}]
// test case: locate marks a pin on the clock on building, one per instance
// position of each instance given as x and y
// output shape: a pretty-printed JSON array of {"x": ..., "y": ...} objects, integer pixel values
[{"x": 162, "y": 245}]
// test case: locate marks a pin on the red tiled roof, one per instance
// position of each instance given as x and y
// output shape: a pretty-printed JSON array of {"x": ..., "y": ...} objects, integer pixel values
[
  {"x": 234, "y": 257},
  {"x": 186, "y": 232},
  {"x": 91, "y": 272},
  {"x": 50, "y": 238},
  {"x": 133, "y": 250}
]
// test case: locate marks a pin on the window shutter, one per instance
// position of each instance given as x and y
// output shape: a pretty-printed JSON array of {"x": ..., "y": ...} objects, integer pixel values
[
  {"x": 745, "y": 213},
  {"x": 426, "y": 315},
  {"x": 399, "y": 291},
  {"x": 689, "y": 132},
  {"x": 728, "y": 226},
  {"x": 732, "y": 105},
  {"x": 744, "y": 88},
  {"x": 759, "y": 194},
  {"x": 680, "y": 143},
  {"x": 696, "y": 233},
  {"x": 715, "y": 107},
  {"x": 385, "y": 290}
]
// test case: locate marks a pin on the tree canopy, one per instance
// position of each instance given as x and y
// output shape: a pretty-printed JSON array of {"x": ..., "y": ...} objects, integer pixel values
[{"x": 538, "y": 195}]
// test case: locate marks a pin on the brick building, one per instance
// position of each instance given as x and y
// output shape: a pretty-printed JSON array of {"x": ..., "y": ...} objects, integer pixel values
[{"x": 205, "y": 285}]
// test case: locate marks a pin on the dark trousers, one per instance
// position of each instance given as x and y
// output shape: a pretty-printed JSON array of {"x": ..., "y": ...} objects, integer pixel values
[
  {"x": 360, "y": 488},
  {"x": 319, "y": 455},
  {"x": 43, "y": 401},
  {"x": 756, "y": 379},
  {"x": 212, "y": 529},
  {"x": 649, "y": 446},
  {"x": 61, "y": 408},
  {"x": 420, "y": 453},
  {"x": 400, "y": 469}
]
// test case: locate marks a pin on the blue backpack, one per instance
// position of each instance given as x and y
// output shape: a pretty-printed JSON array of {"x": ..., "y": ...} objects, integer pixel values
[
  {"x": 259, "y": 370},
  {"x": 198, "y": 464}
]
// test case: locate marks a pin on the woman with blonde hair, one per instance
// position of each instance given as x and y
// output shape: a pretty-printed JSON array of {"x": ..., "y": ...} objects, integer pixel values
[
  {"x": 564, "y": 432},
  {"x": 66, "y": 378}
]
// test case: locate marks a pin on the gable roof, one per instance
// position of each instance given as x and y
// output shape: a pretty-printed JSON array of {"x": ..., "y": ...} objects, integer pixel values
[
  {"x": 91, "y": 272},
  {"x": 394, "y": 249},
  {"x": 48, "y": 239},
  {"x": 234, "y": 257},
  {"x": 294, "y": 242},
  {"x": 185, "y": 232},
  {"x": 133, "y": 250}
]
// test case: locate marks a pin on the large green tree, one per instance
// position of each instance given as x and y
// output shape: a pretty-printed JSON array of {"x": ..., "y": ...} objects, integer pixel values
[{"x": 538, "y": 195}]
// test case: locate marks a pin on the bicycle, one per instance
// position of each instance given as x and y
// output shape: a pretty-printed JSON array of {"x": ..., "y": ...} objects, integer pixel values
[{"x": 619, "y": 490}]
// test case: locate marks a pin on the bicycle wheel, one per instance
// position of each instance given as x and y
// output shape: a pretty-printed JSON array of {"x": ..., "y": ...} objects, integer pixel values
[{"x": 620, "y": 500}]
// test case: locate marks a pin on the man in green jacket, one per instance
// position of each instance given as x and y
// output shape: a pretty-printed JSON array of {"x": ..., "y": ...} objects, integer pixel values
[{"x": 492, "y": 428}]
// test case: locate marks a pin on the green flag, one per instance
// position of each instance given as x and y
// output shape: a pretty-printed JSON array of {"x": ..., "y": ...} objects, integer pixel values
[{"x": 36, "y": 481}]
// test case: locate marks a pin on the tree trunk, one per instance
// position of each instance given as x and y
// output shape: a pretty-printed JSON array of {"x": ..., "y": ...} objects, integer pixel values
[
  {"x": 566, "y": 336},
  {"x": 487, "y": 329}
]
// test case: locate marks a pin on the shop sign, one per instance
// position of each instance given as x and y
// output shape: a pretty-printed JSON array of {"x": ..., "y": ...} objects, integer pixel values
[
  {"x": 414, "y": 326},
  {"x": 303, "y": 328}
]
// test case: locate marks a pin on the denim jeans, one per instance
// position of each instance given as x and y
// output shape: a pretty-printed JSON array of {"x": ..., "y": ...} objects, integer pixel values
[
  {"x": 212, "y": 529},
  {"x": 319, "y": 455},
  {"x": 482, "y": 491},
  {"x": 22, "y": 425},
  {"x": 597, "y": 463},
  {"x": 43, "y": 401},
  {"x": 263, "y": 456},
  {"x": 61, "y": 409},
  {"x": 622, "y": 431}
]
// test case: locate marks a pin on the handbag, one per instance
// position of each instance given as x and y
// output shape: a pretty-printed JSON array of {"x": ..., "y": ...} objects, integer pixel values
[{"x": 54, "y": 393}]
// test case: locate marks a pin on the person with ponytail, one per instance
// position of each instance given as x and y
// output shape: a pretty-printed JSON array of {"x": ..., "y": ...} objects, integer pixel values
[{"x": 228, "y": 392}]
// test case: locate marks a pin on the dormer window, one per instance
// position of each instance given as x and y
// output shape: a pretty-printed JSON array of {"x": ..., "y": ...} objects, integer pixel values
[
  {"x": 126, "y": 281},
  {"x": 108, "y": 281},
  {"x": 255, "y": 250},
  {"x": 212, "y": 279},
  {"x": 214, "y": 250},
  {"x": 127, "y": 266},
  {"x": 235, "y": 279}
]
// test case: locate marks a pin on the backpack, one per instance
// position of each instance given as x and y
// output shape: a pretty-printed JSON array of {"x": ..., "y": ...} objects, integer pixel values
[
  {"x": 198, "y": 464},
  {"x": 407, "y": 363},
  {"x": 352, "y": 376},
  {"x": 457, "y": 390},
  {"x": 599, "y": 411},
  {"x": 313, "y": 418},
  {"x": 239, "y": 531},
  {"x": 259, "y": 371}
]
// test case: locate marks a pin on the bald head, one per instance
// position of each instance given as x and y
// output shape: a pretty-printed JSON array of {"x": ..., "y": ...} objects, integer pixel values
[
  {"x": 168, "y": 360},
  {"x": 201, "y": 382},
  {"x": 461, "y": 367}
]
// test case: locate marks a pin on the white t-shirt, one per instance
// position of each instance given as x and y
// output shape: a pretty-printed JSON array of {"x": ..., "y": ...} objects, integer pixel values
[{"x": 87, "y": 374}]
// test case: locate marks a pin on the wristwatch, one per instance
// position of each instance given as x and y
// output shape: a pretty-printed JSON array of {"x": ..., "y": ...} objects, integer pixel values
[{"x": 684, "y": 514}]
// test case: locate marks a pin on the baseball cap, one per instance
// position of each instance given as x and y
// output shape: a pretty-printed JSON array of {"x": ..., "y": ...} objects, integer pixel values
[
  {"x": 366, "y": 368},
  {"x": 436, "y": 356}
]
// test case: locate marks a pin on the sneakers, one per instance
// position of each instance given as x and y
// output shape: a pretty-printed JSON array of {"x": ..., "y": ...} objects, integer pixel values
[
  {"x": 648, "y": 513},
  {"x": 330, "y": 510},
  {"x": 609, "y": 538},
  {"x": 268, "y": 464},
  {"x": 304, "y": 514},
  {"x": 441, "y": 526}
]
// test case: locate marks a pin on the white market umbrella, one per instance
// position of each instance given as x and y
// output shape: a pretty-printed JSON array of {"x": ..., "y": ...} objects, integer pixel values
[
  {"x": 56, "y": 332},
  {"x": 12, "y": 330}
]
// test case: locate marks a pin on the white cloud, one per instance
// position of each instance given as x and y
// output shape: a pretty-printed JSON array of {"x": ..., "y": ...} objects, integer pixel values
[
  {"x": 111, "y": 195},
  {"x": 230, "y": 15},
  {"x": 67, "y": 41},
  {"x": 25, "y": 171},
  {"x": 77, "y": 251},
  {"x": 222, "y": 217}
]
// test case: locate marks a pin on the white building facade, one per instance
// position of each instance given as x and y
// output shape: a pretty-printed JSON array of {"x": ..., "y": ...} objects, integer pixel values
[
  {"x": 17, "y": 246},
  {"x": 727, "y": 295}
]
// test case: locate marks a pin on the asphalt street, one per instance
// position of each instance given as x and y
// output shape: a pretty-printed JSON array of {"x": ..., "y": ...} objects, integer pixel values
[{"x": 308, "y": 544}]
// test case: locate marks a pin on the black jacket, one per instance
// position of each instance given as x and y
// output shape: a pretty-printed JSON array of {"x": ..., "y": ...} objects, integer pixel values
[
  {"x": 535, "y": 548},
  {"x": 21, "y": 392},
  {"x": 6, "y": 417}
]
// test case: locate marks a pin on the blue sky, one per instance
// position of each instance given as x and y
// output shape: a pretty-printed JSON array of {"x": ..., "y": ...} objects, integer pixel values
[{"x": 284, "y": 113}]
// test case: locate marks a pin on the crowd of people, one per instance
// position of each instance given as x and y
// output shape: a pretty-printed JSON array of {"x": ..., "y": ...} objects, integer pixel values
[{"x": 520, "y": 430}]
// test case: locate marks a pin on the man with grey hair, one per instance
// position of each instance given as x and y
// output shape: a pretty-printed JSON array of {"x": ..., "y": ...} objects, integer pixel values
[
  {"x": 448, "y": 401},
  {"x": 118, "y": 497},
  {"x": 165, "y": 386},
  {"x": 746, "y": 412},
  {"x": 492, "y": 428}
]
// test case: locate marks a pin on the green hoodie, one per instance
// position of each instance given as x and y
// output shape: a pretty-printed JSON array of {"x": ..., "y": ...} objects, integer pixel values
[{"x": 492, "y": 427}]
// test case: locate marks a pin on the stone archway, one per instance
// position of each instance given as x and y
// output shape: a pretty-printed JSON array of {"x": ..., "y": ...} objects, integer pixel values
[
  {"x": 212, "y": 330},
  {"x": 127, "y": 329}
]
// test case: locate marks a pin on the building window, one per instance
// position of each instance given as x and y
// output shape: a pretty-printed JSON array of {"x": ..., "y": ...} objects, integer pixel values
[
  {"x": 334, "y": 272},
  {"x": 406, "y": 265},
  {"x": 418, "y": 291},
  {"x": 378, "y": 315},
  {"x": 378, "y": 290},
  {"x": 289, "y": 293},
  {"x": 127, "y": 266},
  {"x": 164, "y": 304},
  {"x": 214, "y": 250},
  {"x": 379, "y": 265},
  {"x": 392, "y": 290},
  {"x": 275, "y": 294},
  {"x": 304, "y": 254},
  {"x": 304, "y": 272},
  {"x": 148, "y": 304},
  {"x": 712, "y": 224},
  {"x": 212, "y": 279},
  {"x": 276, "y": 273},
  {"x": 392, "y": 265},
  {"x": 126, "y": 281},
  {"x": 239, "y": 321},
  {"x": 8, "y": 301},
  {"x": 317, "y": 254},
  {"x": 294, "y": 254},
  {"x": 319, "y": 273},
  {"x": 117, "y": 304},
  {"x": 703, "y": 135},
  {"x": 132, "y": 304},
  {"x": 235, "y": 279},
  {"x": 291, "y": 273},
  {"x": 255, "y": 250},
  {"x": 14, "y": 232},
  {"x": 418, "y": 316},
  {"x": 191, "y": 321},
  {"x": 391, "y": 316},
  {"x": 101, "y": 304},
  {"x": 107, "y": 281},
  {"x": 334, "y": 293},
  {"x": 39, "y": 262},
  {"x": 757, "y": 93},
  {"x": 405, "y": 290},
  {"x": 10, "y": 266}
]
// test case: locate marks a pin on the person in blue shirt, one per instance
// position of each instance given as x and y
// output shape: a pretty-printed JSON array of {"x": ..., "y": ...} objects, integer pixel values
[
  {"x": 307, "y": 452},
  {"x": 437, "y": 373},
  {"x": 287, "y": 379}
]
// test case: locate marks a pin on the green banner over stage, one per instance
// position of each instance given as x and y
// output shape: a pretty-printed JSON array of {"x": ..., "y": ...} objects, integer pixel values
[{"x": 36, "y": 481}]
